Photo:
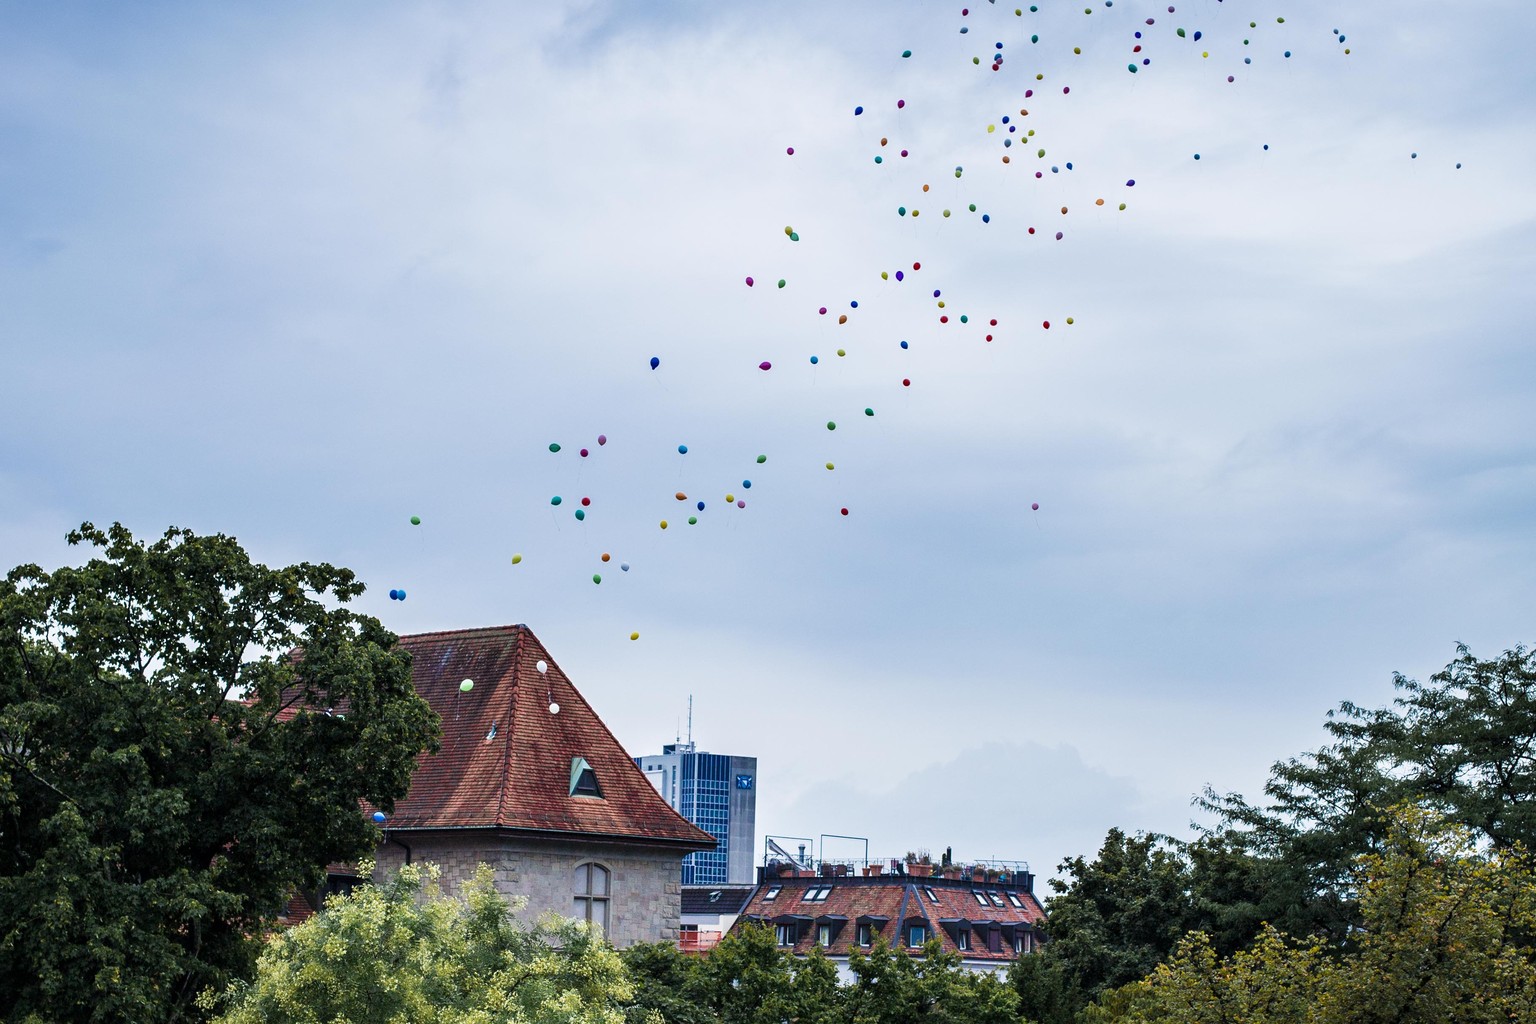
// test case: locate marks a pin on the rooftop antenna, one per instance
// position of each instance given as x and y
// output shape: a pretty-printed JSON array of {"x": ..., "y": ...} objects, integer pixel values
[{"x": 690, "y": 719}]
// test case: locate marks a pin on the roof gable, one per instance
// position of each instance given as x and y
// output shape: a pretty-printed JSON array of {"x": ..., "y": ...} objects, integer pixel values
[{"x": 506, "y": 759}]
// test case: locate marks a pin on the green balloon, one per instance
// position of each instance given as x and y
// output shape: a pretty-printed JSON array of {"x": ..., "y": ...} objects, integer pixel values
[
  {"x": 554, "y": 447},
  {"x": 908, "y": 53},
  {"x": 581, "y": 514},
  {"x": 781, "y": 282},
  {"x": 1179, "y": 32},
  {"x": 466, "y": 686},
  {"x": 831, "y": 425},
  {"x": 597, "y": 578},
  {"x": 762, "y": 459},
  {"x": 555, "y": 500},
  {"x": 415, "y": 520},
  {"x": 869, "y": 412},
  {"x": 794, "y": 236},
  {"x": 693, "y": 520}
]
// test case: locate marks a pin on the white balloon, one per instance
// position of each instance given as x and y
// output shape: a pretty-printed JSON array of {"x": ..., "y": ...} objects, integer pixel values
[
  {"x": 554, "y": 708},
  {"x": 541, "y": 666}
]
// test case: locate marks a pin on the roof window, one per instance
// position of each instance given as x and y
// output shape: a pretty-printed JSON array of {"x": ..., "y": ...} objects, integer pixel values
[
  {"x": 933, "y": 897},
  {"x": 981, "y": 897},
  {"x": 997, "y": 901},
  {"x": 816, "y": 894},
  {"x": 1015, "y": 901},
  {"x": 584, "y": 779},
  {"x": 773, "y": 892}
]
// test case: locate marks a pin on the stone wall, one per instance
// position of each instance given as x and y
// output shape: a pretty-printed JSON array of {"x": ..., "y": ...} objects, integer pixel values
[{"x": 645, "y": 904}]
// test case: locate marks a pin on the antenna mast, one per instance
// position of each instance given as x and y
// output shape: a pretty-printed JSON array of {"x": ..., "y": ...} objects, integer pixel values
[{"x": 690, "y": 719}]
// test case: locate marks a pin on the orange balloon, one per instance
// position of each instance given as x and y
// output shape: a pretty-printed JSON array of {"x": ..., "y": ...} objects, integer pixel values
[{"x": 681, "y": 496}]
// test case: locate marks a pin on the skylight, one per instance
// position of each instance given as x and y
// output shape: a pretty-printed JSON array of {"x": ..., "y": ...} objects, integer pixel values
[
  {"x": 772, "y": 892},
  {"x": 933, "y": 897}
]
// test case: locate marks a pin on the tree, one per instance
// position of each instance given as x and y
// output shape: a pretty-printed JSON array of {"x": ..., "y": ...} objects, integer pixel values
[
  {"x": 1464, "y": 744},
  {"x": 170, "y": 773},
  {"x": 1115, "y": 917},
  {"x": 1445, "y": 940},
  {"x": 404, "y": 951}
]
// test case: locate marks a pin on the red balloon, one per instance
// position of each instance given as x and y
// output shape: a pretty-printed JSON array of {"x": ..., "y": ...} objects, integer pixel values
[{"x": 845, "y": 511}]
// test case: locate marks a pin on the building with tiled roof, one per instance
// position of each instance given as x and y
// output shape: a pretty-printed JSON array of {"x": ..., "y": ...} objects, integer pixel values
[
  {"x": 531, "y": 782},
  {"x": 988, "y": 923}
]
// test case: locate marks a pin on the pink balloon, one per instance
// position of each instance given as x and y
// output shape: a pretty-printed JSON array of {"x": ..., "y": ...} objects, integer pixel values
[
  {"x": 765, "y": 365},
  {"x": 790, "y": 151},
  {"x": 1035, "y": 505},
  {"x": 602, "y": 439},
  {"x": 749, "y": 282}
]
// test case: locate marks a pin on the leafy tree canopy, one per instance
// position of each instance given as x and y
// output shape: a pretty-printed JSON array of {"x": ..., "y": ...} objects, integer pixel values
[
  {"x": 406, "y": 952},
  {"x": 170, "y": 773}
]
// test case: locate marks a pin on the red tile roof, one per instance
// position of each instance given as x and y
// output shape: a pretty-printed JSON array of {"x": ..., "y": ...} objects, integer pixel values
[
  {"x": 505, "y": 759},
  {"x": 900, "y": 900}
]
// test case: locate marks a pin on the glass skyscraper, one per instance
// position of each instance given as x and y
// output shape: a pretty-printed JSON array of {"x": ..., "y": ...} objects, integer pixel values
[{"x": 718, "y": 793}]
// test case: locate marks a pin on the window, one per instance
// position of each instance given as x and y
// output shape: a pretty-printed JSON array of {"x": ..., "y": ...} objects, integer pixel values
[
  {"x": 816, "y": 894},
  {"x": 995, "y": 940},
  {"x": 981, "y": 897},
  {"x": 584, "y": 779},
  {"x": 824, "y": 935},
  {"x": 772, "y": 893},
  {"x": 592, "y": 894},
  {"x": 866, "y": 935},
  {"x": 997, "y": 901},
  {"x": 784, "y": 934},
  {"x": 962, "y": 938},
  {"x": 1015, "y": 901},
  {"x": 917, "y": 935},
  {"x": 933, "y": 897}
]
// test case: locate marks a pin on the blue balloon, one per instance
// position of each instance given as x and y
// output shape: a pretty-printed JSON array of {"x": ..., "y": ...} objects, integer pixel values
[
  {"x": 857, "y": 111},
  {"x": 701, "y": 506},
  {"x": 402, "y": 595},
  {"x": 814, "y": 360},
  {"x": 682, "y": 449},
  {"x": 903, "y": 344},
  {"x": 378, "y": 817},
  {"x": 747, "y": 484},
  {"x": 655, "y": 362}
]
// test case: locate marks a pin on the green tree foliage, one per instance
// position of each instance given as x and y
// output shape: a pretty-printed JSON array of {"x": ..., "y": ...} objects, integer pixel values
[
  {"x": 169, "y": 775},
  {"x": 406, "y": 952},
  {"x": 1115, "y": 917},
  {"x": 891, "y": 987},
  {"x": 1462, "y": 744},
  {"x": 1446, "y": 940}
]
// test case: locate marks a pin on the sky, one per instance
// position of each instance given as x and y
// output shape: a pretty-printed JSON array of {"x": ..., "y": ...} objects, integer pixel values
[{"x": 299, "y": 274}]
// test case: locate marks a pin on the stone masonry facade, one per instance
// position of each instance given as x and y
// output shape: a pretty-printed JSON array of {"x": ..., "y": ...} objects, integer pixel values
[{"x": 645, "y": 904}]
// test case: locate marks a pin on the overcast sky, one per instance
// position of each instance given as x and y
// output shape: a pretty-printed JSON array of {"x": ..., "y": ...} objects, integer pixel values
[{"x": 298, "y": 274}]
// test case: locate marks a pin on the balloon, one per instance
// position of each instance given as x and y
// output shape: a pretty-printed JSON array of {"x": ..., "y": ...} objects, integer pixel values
[
  {"x": 554, "y": 708},
  {"x": 842, "y": 352},
  {"x": 730, "y": 498},
  {"x": 845, "y": 510},
  {"x": 782, "y": 282},
  {"x": 379, "y": 818},
  {"x": 634, "y": 636},
  {"x": 606, "y": 556},
  {"x": 681, "y": 496},
  {"x": 554, "y": 447},
  {"x": 517, "y": 559},
  {"x": 857, "y": 111},
  {"x": 829, "y": 465},
  {"x": 466, "y": 686},
  {"x": 581, "y": 515},
  {"x": 903, "y": 344},
  {"x": 597, "y": 578},
  {"x": 624, "y": 567},
  {"x": 1069, "y": 320},
  {"x": 602, "y": 439},
  {"x": 584, "y": 453},
  {"x": 402, "y": 595},
  {"x": 746, "y": 485},
  {"x": 900, "y": 104},
  {"x": 906, "y": 382},
  {"x": 682, "y": 449},
  {"x": 762, "y": 459},
  {"x": 765, "y": 365},
  {"x": 693, "y": 520},
  {"x": 831, "y": 425},
  {"x": 1035, "y": 505},
  {"x": 749, "y": 282},
  {"x": 655, "y": 362},
  {"x": 842, "y": 318},
  {"x": 663, "y": 524},
  {"x": 542, "y": 666},
  {"x": 906, "y": 53},
  {"x": 814, "y": 360},
  {"x": 790, "y": 151},
  {"x": 701, "y": 506},
  {"x": 586, "y": 502},
  {"x": 415, "y": 520},
  {"x": 740, "y": 503},
  {"x": 869, "y": 412},
  {"x": 394, "y": 595},
  {"x": 555, "y": 500}
]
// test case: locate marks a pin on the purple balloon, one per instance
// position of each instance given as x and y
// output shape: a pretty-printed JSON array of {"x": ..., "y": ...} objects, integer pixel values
[{"x": 765, "y": 365}]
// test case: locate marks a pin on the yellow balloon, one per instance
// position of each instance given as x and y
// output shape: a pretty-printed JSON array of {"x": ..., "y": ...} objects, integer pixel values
[
  {"x": 663, "y": 524},
  {"x": 730, "y": 498},
  {"x": 516, "y": 559},
  {"x": 634, "y": 636},
  {"x": 829, "y": 465}
]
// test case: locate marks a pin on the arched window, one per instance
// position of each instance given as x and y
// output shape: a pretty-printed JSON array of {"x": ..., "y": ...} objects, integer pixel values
[{"x": 592, "y": 894}]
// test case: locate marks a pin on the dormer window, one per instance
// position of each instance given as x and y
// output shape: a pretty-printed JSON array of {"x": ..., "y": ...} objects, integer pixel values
[
  {"x": 963, "y": 938},
  {"x": 584, "y": 779}
]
